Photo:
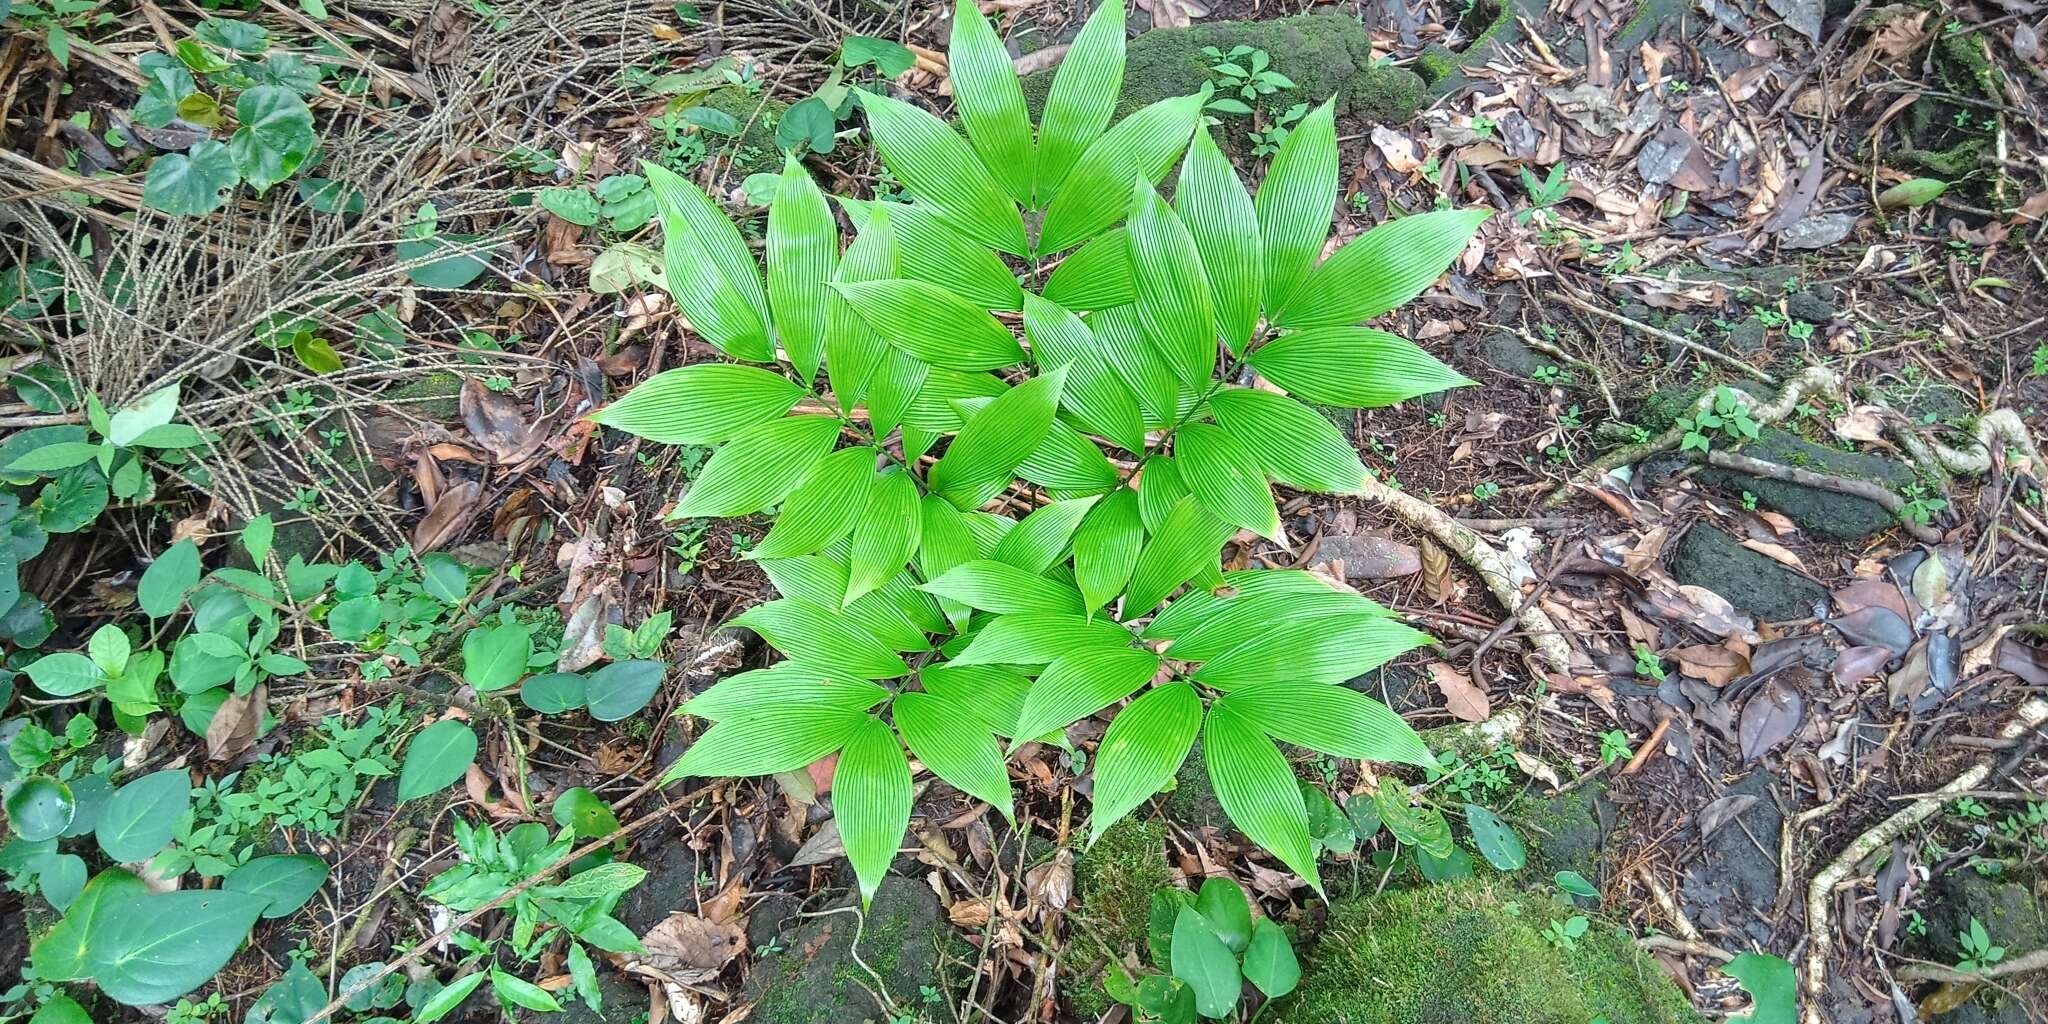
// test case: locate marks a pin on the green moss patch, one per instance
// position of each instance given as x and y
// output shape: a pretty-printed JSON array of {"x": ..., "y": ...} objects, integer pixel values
[{"x": 1113, "y": 886}]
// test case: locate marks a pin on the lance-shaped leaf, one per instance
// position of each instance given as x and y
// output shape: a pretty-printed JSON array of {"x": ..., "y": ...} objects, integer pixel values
[
  {"x": 967, "y": 758},
  {"x": 854, "y": 353},
  {"x": 817, "y": 636},
  {"x": 1106, "y": 547},
  {"x": 1353, "y": 367},
  {"x": 823, "y": 508},
  {"x": 937, "y": 166},
  {"x": 1095, "y": 276},
  {"x": 1218, "y": 213},
  {"x": 1095, "y": 395},
  {"x": 1187, "y": 543},
  {"x": 791, "y": 738},
  {"x": 1120, "y": 339},
  {"x": 943, "y": 543},
  {"x": 1160, "y": 488},
  {"x": 1082, "y": 683},
  {"x": 933, "y": 324},
  {"x": 704, "y": 403},
  {"x": 1142, "y": 752},
  {"x": 1244, "y": 617},
  {"x": 886, "y": 533},
  {"x": 992, "y": 695},
  {"x": 1320, "y": 649},
  {"x": 949, "y": 398},
  {"x": 760, "y": 466},
  {"x": 1095, "y": 194},
  {"x": 1381, "y": 269},
  {"x": 990, "y": 99},
  {"x": 1082, "y": 98},
  {"x": 871, "y": 801},
  {"x": 930, "y": 250},
  {"x": 1292, "y": 443},
  {"x": 1197, "y": 608},
  {"x": 711, "y": 272},
  {"x": 1033, "y": 639},
  {"x": 1039, "y": 540},
  {"x": 984, "y": 457},
  {"x": 1004, "y": 589},
  {"x": 766, "y": 691},
  {"x": 802, "y": 256},
  {"x": 1258, "y": 790},
  {"x": 1330, "y": 719},
  {"x": 899, "y": 379},
  {"x": 1296, "y": 201},
  {"x": 1173, "y": 296},
  {"x": 1228, "y": 481},
  {"x": 1067, "y": 464}
]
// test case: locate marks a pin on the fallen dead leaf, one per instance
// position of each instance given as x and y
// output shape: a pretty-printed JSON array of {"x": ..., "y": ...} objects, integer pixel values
[
  {"x": 1712, "y": 662},
  {"x": 1775, "y": 552},
  {"x": 691, "y": 948},
  {"x": 446, "y": 517},
  {"x": 1463, "y": 697},
  {"x": 233, "y": 728}
]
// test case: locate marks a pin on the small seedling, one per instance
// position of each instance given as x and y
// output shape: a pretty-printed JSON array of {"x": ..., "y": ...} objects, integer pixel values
[
  {"x": 1978, "y": 952},
  {"x": 1565, "y": 934},
  {"x": 1614, "y": 746},
  {"x": 1728, "y": 416},
  {"x": 1648, "y": 664}
]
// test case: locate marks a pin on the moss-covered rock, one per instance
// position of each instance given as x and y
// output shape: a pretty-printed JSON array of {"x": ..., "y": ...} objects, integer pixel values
[
  {"x": 755, "y": 151},
  {"x": 815, "y": 979},
  {"x": 1326, "y": 55},
  {"x": 1824, "y": 514},
  {"x": 1563, "y": 833},
  {"x": 1473, "y": 953},
  {"x": 1192, "y": 800},
  {"x": 1757, "y": 584},
  {"x": 1113, "y": 886}
]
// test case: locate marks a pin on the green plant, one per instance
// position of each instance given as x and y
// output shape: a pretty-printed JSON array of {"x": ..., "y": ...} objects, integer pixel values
[
  {"x": 1485, "y": 490},
  {"x": 1614, "y": 746},
  {"x": 813, "y": 123},
  {"x": 1648, "y": 664},
  {"x": 1551, "y": 375},
  {"x": 275, "y": 137},
  {"x": 1566, "y": 934},
  {"x": 85, "y": 472},
  {"x": 1978, "y": 951},
  {"x": 1544, "y": 192},
  {"x": 1920, "y": 506},
  {"x": 2040, "y": 367},
  {"x": 1728, "y": 416},
  {"x": 1023, "y": 627},
  {"x": 1267, "y": 140},
  {"x": 1748, "y": 501},
  {"x": 1210, "y": 946},
  {"x": 1244, "y": 70}
]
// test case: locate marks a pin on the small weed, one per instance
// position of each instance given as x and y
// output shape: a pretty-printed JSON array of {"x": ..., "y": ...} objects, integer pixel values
[{"x": 1978, "y": 951}]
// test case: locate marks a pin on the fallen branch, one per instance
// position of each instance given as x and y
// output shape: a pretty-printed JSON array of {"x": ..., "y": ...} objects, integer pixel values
[
  {"x": 1865, "y": 489},
  {"x": 1820, "y": 893}
]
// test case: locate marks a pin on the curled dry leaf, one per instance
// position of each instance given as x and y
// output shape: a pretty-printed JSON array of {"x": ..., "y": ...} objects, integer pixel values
[
  {"x": 1775, "y": 552},
  {"x": 495, "y": 421},
  {"x": 1536, "y": 769},
  {"x": 1051, "y": 885},
  {"x": 1402, "y": 154},
  {"x": 692, "y": 949},
  {"x": 446, "y": 517},
  {"x": 1462, "y": 697},
  {"x": 1712, "y": 662}
]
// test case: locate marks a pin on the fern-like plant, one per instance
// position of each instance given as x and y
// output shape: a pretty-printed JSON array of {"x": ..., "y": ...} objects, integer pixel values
[{"x": 916, "y": 604}]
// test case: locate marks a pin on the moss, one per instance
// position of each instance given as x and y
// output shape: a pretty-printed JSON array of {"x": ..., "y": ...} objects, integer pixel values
[
  {"x": 1192, "y": 800},
  {"x": 815, "y": 980},
  {"x": 1563, "y": 833},
  {"x": 1473, "y": 953},
  {"x": 1113, "y": 886},
  {"x": 755, "y": 150},
  {"x": 432, "y": 397},
  {"x": 1436, "y": 63}
]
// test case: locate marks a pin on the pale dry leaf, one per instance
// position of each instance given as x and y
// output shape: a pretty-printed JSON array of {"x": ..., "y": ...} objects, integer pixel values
[
  {"x": 1775, "y": 552},
  {"x": 692, "y": 949},
  {"x": 234, "y": 726},
  {"x": 1402, "y": 154},
  {"x": 447, "y": 516},
  {"x": 1436, "y": 572},
  {"x": 1712, "y": 662},
  {"x": 1464, "y": 699},
  {"x": 1860, "y": 424},
  {"x": 1535, "y": 769}
]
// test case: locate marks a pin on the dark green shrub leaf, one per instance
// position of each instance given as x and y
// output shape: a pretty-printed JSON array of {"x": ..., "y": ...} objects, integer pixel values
[
  {"x": 1142, "y": 751},
  {"x": 1381, "y": 269},
  {"x": 275, "y": 137},
  {"x": 513, "y": 991},
  {"x": 1498, "y": 843},
  {"x": 436, "y": 759},
  {"x": 802, "y": 255},
  {"x": 871, "y": 801},
  {"x": 969, "y": 759},
  {"x": 153, "y": 949},
  {"x": 1438, "y": 870},
  {"x": 40, "y": 808},
  {"x": 141, "y": 816},
  {"x": 762, "y": 465},
  {"x": 585, "y": 813},
  {"x": 1295, "y": 203},
  {"x": 1222, "y": 904},
  {"x": 889, "y": 57},
  {"x": 990, "y": 99},
  {"x": 164, "y": 584},
  {"x": 444, "y": 1001},
  {"x": 1576, "y": 884},
  {"x": 1202, "y": 960},
  {"x": 65, "y": 674},
  {"x": 622, "y": 688},
  {"x": 1082, "y": 683},
  {"x": 1257, "y": 789},
  {"x": 285, "y": 881},
  {"x": 571, "y": 204},
  {"x": 494, "y": 657},
  {"x": 444, "y": 262},
  {"x": 935, "y": 164},
  {"x": 706, "y": 403},
  {"x": 1353, "y": 367},
  {"x": 193, "y": 182},
  {"x": 60, "y": 955},
  {"x": 1771, "y": 983},
  {"x": 1329, "y": 718}
]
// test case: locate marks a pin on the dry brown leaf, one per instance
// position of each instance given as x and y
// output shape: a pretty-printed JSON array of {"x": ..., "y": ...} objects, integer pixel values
[
  {"x": 1462, "y": 697},
  {"x": 1776, "y": 552},
  {"x": 1712, "y": 662},
  {"x": 1436, "y": 572},
  {"x": 446, "y": 517},
  {"x": 1051, "y": 884},
  {"x": 495, "y": 421},
  {"x": 1402, "y": 153},
  {"x": 1536, "y": 769},
  {"x": 691, "y": 948},
  {"x": 234, "y": 726}
]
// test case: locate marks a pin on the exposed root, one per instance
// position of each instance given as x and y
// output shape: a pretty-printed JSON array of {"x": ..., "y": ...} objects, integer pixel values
[
  {"x": 2000, "y": 428},
  {"x": 2033, "y": 961},
  {"x": 1820, "y": 893},
  {"x": 1865, "y": 489},
  {"x": 1493, "y": 568}
]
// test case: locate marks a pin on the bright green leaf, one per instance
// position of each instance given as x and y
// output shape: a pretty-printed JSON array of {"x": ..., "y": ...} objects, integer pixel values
[
  {"x": 436, "y": 759},
  {"x": 704, "y": 403},
  {"x": 871, "y": 801}
]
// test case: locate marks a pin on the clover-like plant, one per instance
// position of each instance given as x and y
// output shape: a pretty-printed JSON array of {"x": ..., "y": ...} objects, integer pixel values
[{"x": 1062, "y": 553}]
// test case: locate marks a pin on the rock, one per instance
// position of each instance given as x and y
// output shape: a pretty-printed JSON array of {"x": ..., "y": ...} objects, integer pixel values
[
  {"x": 1113, "y": 886},
  {"x": 1192, "y": 800},
  {"x": 1564, "y": 832},
  {"x": 1810, "y": 305},
  {"x": 1747, "y": 335},
  {"x": 1326, "y": 55},
  {"x": 1824, "y": 514},
  {"x": 1757, "y": 584},
  {"x": 1368, "y": 556},
  {"x": 1508, "y": 354},
  {"x": 671, "y": 883},
  {"x": 2013, "y": 915},
  {"x": 814, "y": 979},
  {"x": 1732, "y": 885},
  {"x": 1474, "y": 951}
]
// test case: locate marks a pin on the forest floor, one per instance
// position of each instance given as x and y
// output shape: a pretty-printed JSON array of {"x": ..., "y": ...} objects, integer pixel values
[{"x": 1777, "y": 642}]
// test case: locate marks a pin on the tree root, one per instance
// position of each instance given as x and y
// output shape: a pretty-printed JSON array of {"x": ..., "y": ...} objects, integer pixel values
[
  {"x": 1867, "y": 490},
  {"x": 2033, "y": 961},
  {"x": 1493, "y": 568},
  {"x": 1820, "y": 893},
  {"x": 2001, "y": 427}
]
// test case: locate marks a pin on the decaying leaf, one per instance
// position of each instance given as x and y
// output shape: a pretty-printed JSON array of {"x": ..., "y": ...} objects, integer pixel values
[
  {"x": 233, "y": 728},
  {"x": 447, "y": 516},
  {"x": 1712, "y": 662},
  {"x": 692, "y": 949},
  {"x": 1465, "y": 699},
  {"x": 1769, "y": 719}
]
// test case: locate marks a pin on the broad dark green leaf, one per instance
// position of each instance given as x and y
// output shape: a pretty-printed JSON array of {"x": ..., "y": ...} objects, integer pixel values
[
  {"x": 1082, "y": 98},
  {"x": 554, "y": 693},
  {"x": 705, "y": 403},
  {"x": 930, "y": 250},
  {"x": 821, "y": 637},
  {"x": 141, "y": 816},
  {"x": 1292, "y": 443},
  {"x": 1218, "y": 213},
  {"x": 163, "y": 585},
  {"x": 789, "y": 739},
  {"x": 1201, "y": 959},
  {"x": 1142, "y": 751},
  {"x": 760, "y": 466},
  {"x": 1188, "y": 541},
  {"x": 41, "y": 808},
  {"x": 1353, "y": 367},
  {"x": 938, "y": 166},
  {"x": 1095, "y": 276},
  {"x": 991, "y": 101},
  {"x": 1258, "y": 790},
  {"x": 1296, "y": 201},
  {"x": 1004, "y": 589},
  {"x": 983, "y": 458},
  {"x": 275, "y": 137},
  {"x": 802, "y": 255},
  {"x": 1173, "y": 297},
  {"x": 823, "y": 508},
  {"x": 854, "y": 353},
  {"x": 191, "y": 183},
  {"x": 436, "y": 759},
  {"x": 1039, "y": 539},
  {"x": 871, "y": 801},
  {"x": 1081, "y": 683},
  {"x": 1222, "y": 904},
  {"x": 445, "y": 1000},
  {"x": 1773, "y": 986},
  {"x": 1095, "y": 195},
  {"x": 1498, "y": 843},
  {"x": 1319, "y": 649},
  {"x": 286, "y": 881},
  {"x": 1037, "y": 638},
  {"x": 711, "y": 272},
  {"x": 620, "y": 689},
  {"x": 60, "y": 954},
  {"x": 885, "y": 535},
  {"x": 1269, "y": 964},
  {"x": 765, "y": 691},
  {"x": 1381, "y": 269},
  {"x": 967, "y": 758},
  {"x": 65, "y": 673},
  {"x": 1226, "y": 479},
  {"x": 1106, "y": 547},
  {"x": 1330, "y": 719},
  {"x": 934, "y": 324},
  {"x": 1120, "y": 340},
  {"x": 1095, "y": 395},
  {"x": 153, "y": 949}
]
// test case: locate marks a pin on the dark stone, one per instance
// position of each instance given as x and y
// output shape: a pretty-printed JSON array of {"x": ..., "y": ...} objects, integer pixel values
[
  {"x": 1733, "y": 884},
  {"x": 1708, "y": 558},
  {"x": 1192, "y": 800},
  {"x": 1564, "y": 832},
  {"x": 1826, "y": 515},
  {"x": 1507, "y": 353},
  {"x": 815, "y": 979},
  {"x": 625, "y": 1000},
  {"x": 670, "y": 885},
  {"x": 2012, "y": 914},
  {"x": 1747, "y": 335},
  {"x": 1810, "y": 307}
]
